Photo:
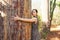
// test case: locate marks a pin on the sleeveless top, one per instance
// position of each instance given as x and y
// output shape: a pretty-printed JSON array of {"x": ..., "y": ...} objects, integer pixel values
[{"x": 34, "y": 32}]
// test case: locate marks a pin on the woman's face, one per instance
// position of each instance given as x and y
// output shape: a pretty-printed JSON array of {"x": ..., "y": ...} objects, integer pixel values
[{"x": 34, "y": 13}]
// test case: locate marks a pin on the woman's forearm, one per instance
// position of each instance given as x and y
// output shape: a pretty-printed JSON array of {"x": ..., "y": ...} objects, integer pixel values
[{"x": 26, "y": 20}]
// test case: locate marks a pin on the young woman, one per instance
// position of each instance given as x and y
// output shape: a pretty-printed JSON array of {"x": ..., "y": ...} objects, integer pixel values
[{"x": 34, "y": 21}]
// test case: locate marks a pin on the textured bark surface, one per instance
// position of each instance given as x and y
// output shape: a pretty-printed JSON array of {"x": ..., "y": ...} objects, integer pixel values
[{"x": 10, "y": 30}]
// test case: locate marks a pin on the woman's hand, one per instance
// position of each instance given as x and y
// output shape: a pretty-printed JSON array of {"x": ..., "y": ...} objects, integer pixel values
[{"x": 16, "y": 18}]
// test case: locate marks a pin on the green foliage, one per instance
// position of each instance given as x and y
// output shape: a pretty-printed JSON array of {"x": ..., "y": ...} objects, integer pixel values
[
  {"x": 42, "y": 26},
  {"x": 58, "y": 3},
  {"x": 52, "y": 7},
  {"x": 56, "y": 17},
  {"x": 44, "y": 29},
  {"x": 40, "y": 23}
]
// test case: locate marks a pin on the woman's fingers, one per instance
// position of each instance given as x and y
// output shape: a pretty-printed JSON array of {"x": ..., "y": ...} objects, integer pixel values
[{"x": 16, "y": 18}]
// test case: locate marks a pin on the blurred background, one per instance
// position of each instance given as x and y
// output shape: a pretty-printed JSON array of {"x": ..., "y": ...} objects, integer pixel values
[{"x": 49, "y": 15}]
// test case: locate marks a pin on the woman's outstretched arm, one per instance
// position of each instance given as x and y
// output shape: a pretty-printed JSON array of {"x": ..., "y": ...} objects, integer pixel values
[{"x": 25, "y": 19}]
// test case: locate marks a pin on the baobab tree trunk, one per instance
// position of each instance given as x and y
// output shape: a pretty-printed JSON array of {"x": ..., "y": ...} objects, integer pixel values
[{"x": 16, "y": 30}]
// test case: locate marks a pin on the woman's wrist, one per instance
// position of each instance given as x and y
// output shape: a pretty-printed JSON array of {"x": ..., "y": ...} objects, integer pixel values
[{"x": 19, "y": 19}]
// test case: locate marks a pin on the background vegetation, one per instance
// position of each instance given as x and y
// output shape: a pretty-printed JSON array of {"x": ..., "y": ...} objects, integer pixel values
[{"x": 54, "y": 18}]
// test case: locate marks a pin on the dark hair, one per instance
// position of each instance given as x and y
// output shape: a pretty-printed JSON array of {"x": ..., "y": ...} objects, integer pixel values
[{"x": 36, "y": 10}]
